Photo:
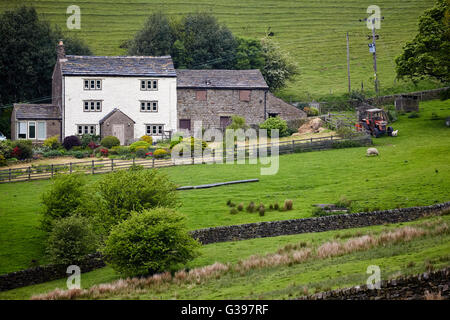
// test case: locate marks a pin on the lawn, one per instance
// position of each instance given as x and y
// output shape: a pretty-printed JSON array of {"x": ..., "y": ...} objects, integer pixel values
[
  {"x": 412, "y": 169},
  {"x": 312, "y": 31},
  {"x": 286, "y": 282}
]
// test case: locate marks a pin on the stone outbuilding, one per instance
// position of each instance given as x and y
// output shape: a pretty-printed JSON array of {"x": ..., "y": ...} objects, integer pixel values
[
  {"x": 35, "y": 122},
  {"x": 214, "y": 96}
]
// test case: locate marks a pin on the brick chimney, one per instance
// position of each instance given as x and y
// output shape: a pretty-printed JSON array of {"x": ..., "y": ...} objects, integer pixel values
[{"x": 60, "y": 52}]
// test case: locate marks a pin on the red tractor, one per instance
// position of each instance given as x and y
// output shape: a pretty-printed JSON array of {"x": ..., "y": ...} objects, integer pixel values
[{"x": 374, "y": 122}]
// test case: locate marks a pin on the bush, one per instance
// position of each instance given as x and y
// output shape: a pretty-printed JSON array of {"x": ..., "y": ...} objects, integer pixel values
[
  {"x": 70, "y": 240},
  {"x": 346, "y": 144},
  {"x": 52, "y": 142},
  {"x": 275, "y": 123},
  {"x": 53, "y": 153},
  {"x": 70, "y": 142},
  {"x": 120, "y": 150},
  {"x": 148, "y": 242},
  {"x": 139, "y": 143},
  {"x": 110, "y": 141},
  {"x": 237, "y": 123},
  {"x": 347, "y": 132},
  {"x": 311, "y": 111},
  {"x": 6, "y": 149},
  {"x": 22, "y": 149},
  {"x": 3, "y": 161},
  {"x": 141, "y": 152},
  {"x": 147, "y": 139},
  {"x": 159, "y": 153},
  {"x": 63, "y": 198},
  {"x": 288, "y": 205},
  {"x": 121, "y": 192},
  {"x": 104, "y": 152},
  {"x": 86, "y": 139},
  {"x": 251, "y": 207}
]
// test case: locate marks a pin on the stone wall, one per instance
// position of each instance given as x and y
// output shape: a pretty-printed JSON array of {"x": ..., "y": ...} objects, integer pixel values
[
  {"x": 237, "y": 232},
  {"x": 319, "y": 224},
  {"x": 46, "y": 273},
  {"x": 403, "y": 288},
  {"x": 226, "y": 103}
]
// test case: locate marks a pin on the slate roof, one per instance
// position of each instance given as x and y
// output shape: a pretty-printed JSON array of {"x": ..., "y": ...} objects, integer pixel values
[
  {"x": 221, "y": 79},
  {"x": 37, "y": 111},
  {"x": 141, "y": 66},
  {"x": 109, "y": 114}
]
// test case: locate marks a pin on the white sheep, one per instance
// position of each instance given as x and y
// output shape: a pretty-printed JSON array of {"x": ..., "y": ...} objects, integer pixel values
[
  {"x": 372, "y": 152},
  {"x": 395, "y": 133}
]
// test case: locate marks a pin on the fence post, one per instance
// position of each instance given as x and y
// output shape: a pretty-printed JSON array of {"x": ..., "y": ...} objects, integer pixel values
[
  {"x": 112, "y": 164},
  {"x": 29, "y": 173},
  {"x": 9, "y": 174},
  {"x": 52, "y": 171},
  {"x": 153, "y": 162},
  {"x": 70, "y": 167},
  {"x": 93, "y": 166},
  {"x": 293, "y": 145}
]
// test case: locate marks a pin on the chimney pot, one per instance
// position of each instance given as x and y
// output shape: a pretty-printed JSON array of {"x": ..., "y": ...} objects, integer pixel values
[{"x": 60, "y": 52}]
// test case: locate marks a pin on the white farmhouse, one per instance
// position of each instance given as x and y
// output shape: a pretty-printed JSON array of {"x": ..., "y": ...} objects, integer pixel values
[{"x": 124, "y": 96}]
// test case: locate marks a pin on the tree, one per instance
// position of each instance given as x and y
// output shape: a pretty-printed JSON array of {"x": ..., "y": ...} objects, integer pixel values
[
  {"x": 279, "y": 67},
  {"x": 27, "y": 58},
  {"x": 151, "y": 241},
  {"x": 155, "y": 39},
  {"x": 249, "y": 54},
  {"x": 428, "y": 55}
]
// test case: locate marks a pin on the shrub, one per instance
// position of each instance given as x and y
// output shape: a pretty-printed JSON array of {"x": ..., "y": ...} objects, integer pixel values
[
  {"x": 22, "y": 149},
  {"x": 92, "y": 145},
  {"x": 152, "y": 241},
  {"x": 392, "y": 115},
  {"x": 237, "y": 123},
  {"x": 311, "y": 111},
  {"x": 320, "y": 212},
  {"x": 240, "y": 206},
  {"x": 347, "y": 132},
  {"x": 141, "y": 152},
  {"x": 120, "y": 150},
  {"x": 70, "y": 240},
  {"x": 6, "y": 149},
  {"x": 261, "y": 211},
  {"x": 139, "y": 143},
  {"x": 276, "y": 206},
  {"x": 110, "y": 141},
  {"x": 52, "y": 142},
  {"x": 53, "y": 153},
  {"x": 70, "y": 142},
  {"x": 288, "y": 205},
  {"x": 121, "y": 192},
  {"x": 104, "y": 152},
  {"x": 343, "y": 203},
  {"x": 63, "y": 198},
  {"x": 147, "y": 139},
  {"x": 233, "y": 211},
  {"x": 3, "y": 161},
  {"x": 86, "y": 139},
  {"x": 159, "y": 153},
  {"x": 251, "y": 207},
  {"x": 275, "y": 123},
  {"x": 346, "y": 144},
  {"x": 78, "y": 154}
]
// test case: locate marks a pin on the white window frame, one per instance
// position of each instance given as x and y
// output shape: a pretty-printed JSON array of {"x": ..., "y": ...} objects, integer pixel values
[
  {"x": 37, "y": 132},
  {"x": 149, "y": 106},
  {"x": 97, "y": 83},
  {"x": 86, "y": 129},
  {"x": 152, "y": 128},
  {"x": 144, "y": 84},
  {"x": 92, "y": 105}
]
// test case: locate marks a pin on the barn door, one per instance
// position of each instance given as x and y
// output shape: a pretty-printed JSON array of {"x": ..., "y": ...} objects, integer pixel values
[{"x": 119, "y": 132}]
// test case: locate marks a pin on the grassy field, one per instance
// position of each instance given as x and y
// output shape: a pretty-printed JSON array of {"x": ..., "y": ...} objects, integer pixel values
[
  {"x": 399, "y": 177},
  {"x": 412, "y": 169},
  {"x": 313, "y": 31},
  {"x": 288, "y": 281}
]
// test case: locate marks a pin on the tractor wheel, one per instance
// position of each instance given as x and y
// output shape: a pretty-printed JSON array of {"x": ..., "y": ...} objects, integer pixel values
[{"x": 376, "y": 133}]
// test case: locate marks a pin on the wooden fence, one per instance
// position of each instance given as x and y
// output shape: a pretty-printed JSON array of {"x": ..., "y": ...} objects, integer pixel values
[{"x": 108, "y": 165}]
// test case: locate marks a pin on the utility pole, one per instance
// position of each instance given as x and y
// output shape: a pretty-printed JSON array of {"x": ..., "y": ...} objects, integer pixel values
[
  {"x": 374, "y": 56},
  {"x": 372, "y": 48},
  {"x": 348, "y": 65}
]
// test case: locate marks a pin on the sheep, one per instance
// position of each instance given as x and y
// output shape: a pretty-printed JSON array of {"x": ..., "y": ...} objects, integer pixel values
[
  {"x": 372, "y": 152},
  {"x": 395, "y": 133}
]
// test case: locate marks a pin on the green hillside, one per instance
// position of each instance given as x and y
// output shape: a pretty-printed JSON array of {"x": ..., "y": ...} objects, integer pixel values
[{"x": 311, "y": 30}]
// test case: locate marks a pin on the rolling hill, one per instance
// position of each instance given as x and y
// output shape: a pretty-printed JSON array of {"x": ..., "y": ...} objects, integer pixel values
[{"x": 313, "y": 31}]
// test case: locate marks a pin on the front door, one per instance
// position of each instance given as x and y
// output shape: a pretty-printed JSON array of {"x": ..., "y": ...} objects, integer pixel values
[
  {"x": 119, "y": 132},
  {"x": 185, "y": 124}
]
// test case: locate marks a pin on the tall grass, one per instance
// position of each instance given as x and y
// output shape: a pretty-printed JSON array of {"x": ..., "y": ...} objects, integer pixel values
[{"x": 287, "y": 255}]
